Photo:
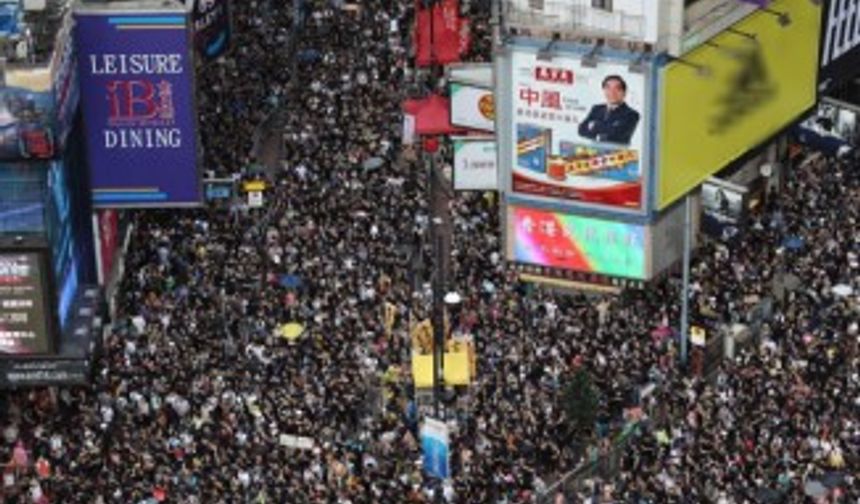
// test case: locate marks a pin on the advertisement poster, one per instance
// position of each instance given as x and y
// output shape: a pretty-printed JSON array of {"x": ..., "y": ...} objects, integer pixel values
[
  {"x": 26, "y": 124},
  {"x": 716, "y": 108},
  {"x": 24, "y": 311},
  {"x": 576, "y": 243},
  {"x": 64, "y": 81},
  {"x": 211, "y": 27},
  {"x": 138, "y": 98},
  {"x": 475, "y": 166},
  {"x": 472, "y": 107},
  {"x": 435, "y": 443},
  {"x": 840, "y": 44},
  {"x": 578, "y": 131}
]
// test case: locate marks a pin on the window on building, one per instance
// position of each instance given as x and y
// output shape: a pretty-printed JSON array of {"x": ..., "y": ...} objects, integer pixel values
[{"x": 602, "y": 4}]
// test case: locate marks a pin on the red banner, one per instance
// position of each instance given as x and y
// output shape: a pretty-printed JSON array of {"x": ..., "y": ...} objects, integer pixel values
[
  {"x": 108, "y": 233},
  {"x": 440, "y": 33}
]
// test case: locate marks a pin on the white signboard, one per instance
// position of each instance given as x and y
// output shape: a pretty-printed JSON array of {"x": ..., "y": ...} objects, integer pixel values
[
  {"x": 475, "y": 166},
  {"x": 472, "y": 107},
  {"x": 578, "y": 132},
  {"x": 255, "y": 199}
]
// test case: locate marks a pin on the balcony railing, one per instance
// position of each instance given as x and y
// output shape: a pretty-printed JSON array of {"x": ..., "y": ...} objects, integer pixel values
[{"x": 562, "y": 17}]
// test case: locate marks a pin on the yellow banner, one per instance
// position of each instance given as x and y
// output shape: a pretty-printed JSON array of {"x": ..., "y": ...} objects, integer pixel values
[
  {"x": 734, "y": 92},
  {"x": 254, "y": 186}
]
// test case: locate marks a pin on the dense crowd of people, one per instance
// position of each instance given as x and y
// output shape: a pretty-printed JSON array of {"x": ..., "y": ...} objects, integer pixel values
[{"x": 200, "y": 400}]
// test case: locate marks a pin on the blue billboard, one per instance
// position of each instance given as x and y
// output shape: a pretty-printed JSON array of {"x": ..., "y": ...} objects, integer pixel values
[{"x": 137, "y": 94}]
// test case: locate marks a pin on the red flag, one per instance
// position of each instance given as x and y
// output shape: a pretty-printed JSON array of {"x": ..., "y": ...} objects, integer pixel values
[
  {"x": 446, "y": 31},
  {"x": 423, "y": 36},
  {"x": 441, "y": 35}
]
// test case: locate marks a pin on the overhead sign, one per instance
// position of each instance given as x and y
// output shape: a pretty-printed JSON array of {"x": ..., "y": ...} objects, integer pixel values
[
  {"x": 25, "y": 327},
  {"x": 840, "y": 44},
  {"x": 473, "y": 107},
  {"x": 578, "y": 132},
  {"x": 211, "y": 27},
  {"x": 475, "y": 164},
  {"x": 733, "y": 94},
  {"x": 136, "y": 87},
  {"x": 576, "y": 243}
]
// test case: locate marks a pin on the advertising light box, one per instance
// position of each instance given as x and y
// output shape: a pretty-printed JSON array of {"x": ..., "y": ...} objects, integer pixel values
[
  {"x": 472, "y": 107},
  {"x": 578, "y": 132},
  {"x": 25, "y": 327},
  {"x": 576, "y": 243},
  {"x": 475, "y": 164},
  {"x": 137, "y": 94}
]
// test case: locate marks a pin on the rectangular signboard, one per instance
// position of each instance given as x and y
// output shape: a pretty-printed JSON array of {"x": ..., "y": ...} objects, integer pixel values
[
  {"x": 576, "y": 243},
  {"x": 475, "y": 164},
  {"x": 25, "y": 321},
  {"x": 44, "y": 372},
  {"x": 840, "y": 44},
  {"x": 472, "y": 107},
  {"x": 211, "y": 27},
  {"x": 136, "y": 75},
  {"x": 728, "y": 97},
  {"x": 578, "y": 132}
]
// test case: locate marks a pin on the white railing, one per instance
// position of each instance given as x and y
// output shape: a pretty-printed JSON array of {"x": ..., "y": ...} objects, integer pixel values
[{"x": 581, "y": 19}]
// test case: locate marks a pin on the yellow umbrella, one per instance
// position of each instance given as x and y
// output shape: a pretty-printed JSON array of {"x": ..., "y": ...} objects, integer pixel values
[{"x": 291, "y": 331}]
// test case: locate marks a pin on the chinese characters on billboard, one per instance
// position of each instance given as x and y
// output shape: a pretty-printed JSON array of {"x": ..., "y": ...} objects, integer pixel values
[
  {"x": 24, "y": 326},
  {"x": 576, "y": 243},
  {"x": 137, "y": 94},
  {"x": 578, "y": 131}
]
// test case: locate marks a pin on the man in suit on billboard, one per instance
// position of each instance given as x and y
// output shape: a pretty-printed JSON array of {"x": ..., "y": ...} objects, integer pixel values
[{"x": 615, "y": 121}]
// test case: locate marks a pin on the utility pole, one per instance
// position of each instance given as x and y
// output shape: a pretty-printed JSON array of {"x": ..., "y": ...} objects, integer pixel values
[{"x": 685, "y": 290}]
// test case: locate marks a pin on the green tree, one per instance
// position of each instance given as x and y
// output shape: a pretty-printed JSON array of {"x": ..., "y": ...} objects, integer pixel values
[{"x": 580, "y": 403}]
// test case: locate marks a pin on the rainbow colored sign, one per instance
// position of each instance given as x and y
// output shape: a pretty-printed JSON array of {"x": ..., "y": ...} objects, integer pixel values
[{"x": 577, "y": 243}]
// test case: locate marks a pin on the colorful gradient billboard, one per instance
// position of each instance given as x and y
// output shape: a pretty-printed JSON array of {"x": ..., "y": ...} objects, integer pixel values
[{"x": 572, "y": 242}]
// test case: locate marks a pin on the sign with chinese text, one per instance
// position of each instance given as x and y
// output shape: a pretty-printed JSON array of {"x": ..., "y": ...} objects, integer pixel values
[
  {"x": 578, "y": 132},
  {"x": 24, "y": 304},
  {"x": 576, "y": 243}
]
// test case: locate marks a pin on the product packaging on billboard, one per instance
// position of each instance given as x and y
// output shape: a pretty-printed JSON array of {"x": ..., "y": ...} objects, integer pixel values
[
  {"x": 211, "y": 27},
  {"x": 137, "y": 94},
  {"x": 578, "y": 131},
  {"x": 475, "y": 164},
  {"x": 25, "y": 320},
  {"x": 472, "y": 107},
  {"x": 576, "y": 243}
]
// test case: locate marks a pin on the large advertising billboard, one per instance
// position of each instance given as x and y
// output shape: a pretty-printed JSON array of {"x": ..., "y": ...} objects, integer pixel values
[
  {"x": 26, "y": 122},
  {"x": 25, "y": 327},
  {"x": 840, "y": 44},
  {"x": 578, "y": 131},
  {"x": 472, "y": 107},
  {"x": 137, "y": 92},
  {"x": 211, "y": 27},
  {"x": 475, "y": 166},
  {"x": 576, "y": 243},
  {"x": 734, "y": 93}
]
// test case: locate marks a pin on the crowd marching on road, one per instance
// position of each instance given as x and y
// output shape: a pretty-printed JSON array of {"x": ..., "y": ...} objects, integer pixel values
[{"x": 198, "y": 397}]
